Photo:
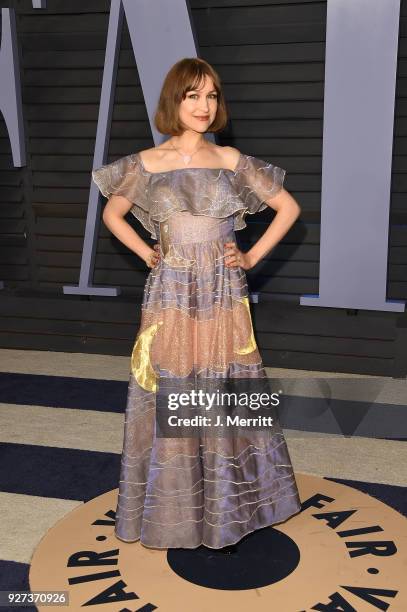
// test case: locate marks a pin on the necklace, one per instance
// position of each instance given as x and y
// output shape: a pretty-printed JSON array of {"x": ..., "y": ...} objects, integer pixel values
[{"x": 186, "y": 158}]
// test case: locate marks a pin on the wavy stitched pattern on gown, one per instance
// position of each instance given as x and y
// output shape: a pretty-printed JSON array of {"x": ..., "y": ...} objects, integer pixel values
[
  {"x": 184, "y": 492},
  {"x": 207, "y": 492},
  {"x": 196, "y": 324}
]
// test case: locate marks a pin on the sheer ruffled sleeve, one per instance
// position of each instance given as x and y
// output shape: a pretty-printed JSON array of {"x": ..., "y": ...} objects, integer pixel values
[
  {"x": 256, "y": 181},
  {"x": 125, "y": 177}
]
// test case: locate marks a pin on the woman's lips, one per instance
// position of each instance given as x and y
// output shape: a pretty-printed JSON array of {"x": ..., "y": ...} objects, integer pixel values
[{"x": 203, "y": 118}]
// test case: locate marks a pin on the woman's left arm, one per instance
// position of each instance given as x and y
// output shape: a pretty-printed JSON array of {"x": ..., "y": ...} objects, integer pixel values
[{"x": 288, "y": 210}]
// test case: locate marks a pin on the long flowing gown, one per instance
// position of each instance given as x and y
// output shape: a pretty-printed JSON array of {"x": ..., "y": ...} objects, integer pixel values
[{"x": 196, "y": 325}]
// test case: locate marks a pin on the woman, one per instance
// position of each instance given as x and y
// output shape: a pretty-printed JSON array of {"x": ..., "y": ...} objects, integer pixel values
[{"x": 196, "y": 487}]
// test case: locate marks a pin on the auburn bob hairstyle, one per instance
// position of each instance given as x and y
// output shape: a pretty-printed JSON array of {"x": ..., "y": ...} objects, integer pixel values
[{"x": 186, "y": 75}]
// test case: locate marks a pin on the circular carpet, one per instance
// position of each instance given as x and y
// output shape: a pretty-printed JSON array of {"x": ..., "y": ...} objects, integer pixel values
[{"x": 345, "y": 550}]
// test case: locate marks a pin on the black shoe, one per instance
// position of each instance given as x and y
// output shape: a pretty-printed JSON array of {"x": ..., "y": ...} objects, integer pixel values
[
  {"x": 228, "y": 550},
  {"x": 211, "y": 553}
]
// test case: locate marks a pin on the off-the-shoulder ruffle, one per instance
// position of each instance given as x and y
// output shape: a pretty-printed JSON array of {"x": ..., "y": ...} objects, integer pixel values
[
  {"x": 125, "y": 177},
  {"x": 256, "y": 181},
  {"x": 215, "y": 192}
]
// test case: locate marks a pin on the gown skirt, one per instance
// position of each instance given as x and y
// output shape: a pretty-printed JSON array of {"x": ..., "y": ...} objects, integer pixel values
[{"x": 196, "y": 326}]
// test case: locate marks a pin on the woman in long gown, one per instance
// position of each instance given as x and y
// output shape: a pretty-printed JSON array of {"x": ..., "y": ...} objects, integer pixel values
[{"x": 190, "y": 490}]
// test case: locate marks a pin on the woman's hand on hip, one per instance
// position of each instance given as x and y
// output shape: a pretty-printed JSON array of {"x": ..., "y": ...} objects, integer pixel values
[
  {"x": 234, "y": 258},
  {"x": 153, "y": 258}
]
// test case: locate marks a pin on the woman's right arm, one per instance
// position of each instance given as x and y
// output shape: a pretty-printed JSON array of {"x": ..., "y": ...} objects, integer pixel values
[{"x": 113, "y": 217}]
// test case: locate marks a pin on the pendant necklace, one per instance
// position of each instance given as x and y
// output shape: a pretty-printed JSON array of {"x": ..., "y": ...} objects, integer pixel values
[{"x": 186, "y": 158}]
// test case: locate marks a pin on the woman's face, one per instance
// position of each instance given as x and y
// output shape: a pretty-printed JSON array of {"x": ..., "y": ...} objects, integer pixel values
[{"x": 198, "y": 110}]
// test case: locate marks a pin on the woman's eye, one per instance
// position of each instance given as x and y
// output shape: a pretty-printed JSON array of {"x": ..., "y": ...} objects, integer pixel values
[{"x": 210, "y": 95}]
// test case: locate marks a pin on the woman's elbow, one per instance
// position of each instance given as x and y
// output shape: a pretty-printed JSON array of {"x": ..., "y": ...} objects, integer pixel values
[
  {"x": 298, "y": 209},
  {"x": 108, "y": 215},
  {"x": 105, "y": 216}
]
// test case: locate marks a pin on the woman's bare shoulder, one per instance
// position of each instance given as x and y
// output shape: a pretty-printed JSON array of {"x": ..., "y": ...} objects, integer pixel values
[
  {"x": 230, "y": 156},
  {"x": 154, "y": 153}
]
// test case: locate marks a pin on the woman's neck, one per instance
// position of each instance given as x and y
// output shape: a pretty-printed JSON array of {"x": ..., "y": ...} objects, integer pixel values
[{"x": 188, "y": 142}]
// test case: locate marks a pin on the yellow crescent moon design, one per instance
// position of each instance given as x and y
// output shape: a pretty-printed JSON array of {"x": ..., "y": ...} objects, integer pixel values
[
  {"x": 251, "y": 345},
  {"x": 140, "y": 359}
]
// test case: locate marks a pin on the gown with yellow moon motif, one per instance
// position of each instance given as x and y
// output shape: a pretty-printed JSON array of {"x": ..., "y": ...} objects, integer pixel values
[{"x": 195, "y": 487}]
